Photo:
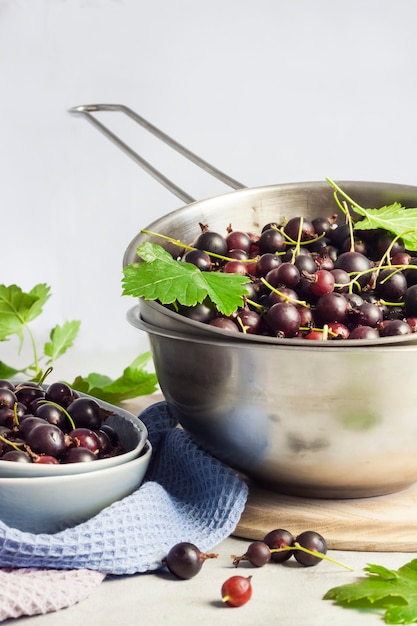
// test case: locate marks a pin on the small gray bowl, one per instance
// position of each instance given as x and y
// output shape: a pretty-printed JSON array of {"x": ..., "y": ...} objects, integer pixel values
[{"x": 48, "y": 504}]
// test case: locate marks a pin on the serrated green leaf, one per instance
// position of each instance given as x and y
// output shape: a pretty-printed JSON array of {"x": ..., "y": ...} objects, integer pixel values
[
  {"x": 160, "y": 277},
  {"x": 395, "y": 591},
  {"x": 95, "y": 380},
  {"x": 400, "y": 615},
  {"x": 42, "y": 293},
  {"x": 17, "y": 308},
  {"x": 6, "y": 371},
  {"x": 81, "y": 384},
  {"x": 141, "y": 361},
  {"x": 61, "y": 338},
  {"x": 134, "y": 382},
  {"x": 381, "y": 571},
  {"x": 394, "y": 218},
  {"x": 368, "y": 589},
  {"x": 151, "y": 252},
  {"x": 225, "y": 291}
]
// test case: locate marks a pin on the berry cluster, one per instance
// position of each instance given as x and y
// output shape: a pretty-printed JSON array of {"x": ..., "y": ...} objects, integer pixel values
[
  {"x": 308, "y": 548},
  {"x": 314, "y": 280},
  {"x": 185, "y": 560},
  {"x": 52, "y": 425}
]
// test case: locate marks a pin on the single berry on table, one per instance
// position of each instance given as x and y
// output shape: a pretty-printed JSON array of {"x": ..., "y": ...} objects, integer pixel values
[
  {"x": 313, "y": 542},
  {"x": 258, "y": 554},
  {"x": 236, "y": 590},
  {"x": 185, "y": 560}
]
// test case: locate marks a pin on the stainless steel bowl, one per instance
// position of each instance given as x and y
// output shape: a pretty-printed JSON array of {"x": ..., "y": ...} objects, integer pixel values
[
  {"x": 333, "y": 420},
  {"x": 250, "y": 210},
  {"x": 333, "y": 423}
]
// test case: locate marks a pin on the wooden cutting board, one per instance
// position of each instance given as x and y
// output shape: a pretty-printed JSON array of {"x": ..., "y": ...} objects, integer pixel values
[{"x": 381, "y": 524}]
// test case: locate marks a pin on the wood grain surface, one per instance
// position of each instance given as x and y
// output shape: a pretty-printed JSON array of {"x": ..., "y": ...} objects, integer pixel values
[{"x": 381, "y": 524}]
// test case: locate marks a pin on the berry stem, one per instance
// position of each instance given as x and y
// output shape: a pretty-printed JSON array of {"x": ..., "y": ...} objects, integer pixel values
[
  {"x": 287, "y": 298},
  {"x": 344, "y": 195},
  {"x": 15, "y": 416},
  {"x": 68, "y": 416},
  {"x": 357, "y": 275},
  {"x": 255, "y": 305},
  {"x": 242, "y": 325},
  {"x": 45, "y": 374},
  {"x": 13, "y": 444},
  {"x": 210, "y": 555},
  {"x": 297, "y": 546},
  {"x": 180, "y": 244}
]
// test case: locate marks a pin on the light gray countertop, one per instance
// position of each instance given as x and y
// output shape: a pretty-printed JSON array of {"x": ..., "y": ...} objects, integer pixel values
[
  {"x": 285, "y": 594},
  {"x": 288, "y": 595}
]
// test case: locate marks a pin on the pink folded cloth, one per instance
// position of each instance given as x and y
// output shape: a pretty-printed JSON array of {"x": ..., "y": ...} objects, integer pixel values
[{"x": 32, "y": 591}]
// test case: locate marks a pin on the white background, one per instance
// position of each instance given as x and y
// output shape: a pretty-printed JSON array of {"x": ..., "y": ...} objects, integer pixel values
[{"x": 269, "y": 91}]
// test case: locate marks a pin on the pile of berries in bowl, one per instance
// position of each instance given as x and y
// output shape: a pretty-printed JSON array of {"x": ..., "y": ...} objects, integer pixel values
[
  {"x": 64, "y": 456},
  {"x": 294, "y": 273},
  {"x": 284, "y": 396}
]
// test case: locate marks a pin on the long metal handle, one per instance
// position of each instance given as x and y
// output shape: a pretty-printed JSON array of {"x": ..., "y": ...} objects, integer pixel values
[{"x": 87, "y": 111}]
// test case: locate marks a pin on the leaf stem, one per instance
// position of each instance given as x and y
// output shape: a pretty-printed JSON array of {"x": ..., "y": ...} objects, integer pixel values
[{"x": 34, "y": 350}]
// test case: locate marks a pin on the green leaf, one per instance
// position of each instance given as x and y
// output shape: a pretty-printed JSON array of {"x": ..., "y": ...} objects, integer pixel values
[
  {"x": 61, "y": 338},
  {"x": 398, "y": 220},
  {"x": 134, "y": 382},
  {"x": 151, "y": 252},
  {"x": 394, "y": 591},
  {"x": 160, "y": 277},
  {"x": 17, "y": 308},
  {"x": 381, "y": 571},
  {"x": 394, "y": 218},
  {"x": 42, "y": 293},
  {"x": 6, "y": 371}
]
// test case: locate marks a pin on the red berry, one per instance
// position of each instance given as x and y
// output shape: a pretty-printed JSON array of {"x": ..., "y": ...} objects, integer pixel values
[
  {"x": 323, "y": 282},
  {"x": 316, "y": 335},
  {"x": 46, "y": 459},
  {"x": 237, "y": 590}
]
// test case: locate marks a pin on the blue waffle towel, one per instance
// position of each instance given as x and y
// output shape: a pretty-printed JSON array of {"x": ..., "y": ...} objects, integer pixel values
[{"x": 187, "y": 496}]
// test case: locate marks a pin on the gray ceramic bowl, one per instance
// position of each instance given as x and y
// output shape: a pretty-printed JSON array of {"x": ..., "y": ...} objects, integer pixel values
[{"x": 49, "y": 504}]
